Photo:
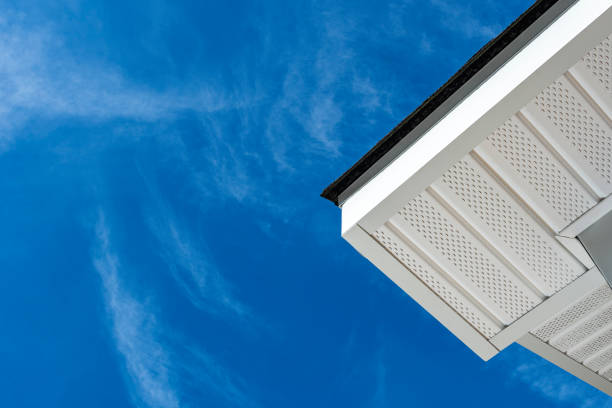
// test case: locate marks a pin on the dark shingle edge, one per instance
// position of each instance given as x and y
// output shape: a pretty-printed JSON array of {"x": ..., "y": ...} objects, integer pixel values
[{"x": 478, "y": 68}]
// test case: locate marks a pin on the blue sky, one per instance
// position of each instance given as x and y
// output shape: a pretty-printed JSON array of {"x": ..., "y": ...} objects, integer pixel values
[{"x": 163, "y": 242}]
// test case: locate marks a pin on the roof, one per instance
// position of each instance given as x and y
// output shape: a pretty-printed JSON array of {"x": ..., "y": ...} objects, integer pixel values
[
  {"x": 475, "y": 71},
  {"x": 487, "y": 219}
]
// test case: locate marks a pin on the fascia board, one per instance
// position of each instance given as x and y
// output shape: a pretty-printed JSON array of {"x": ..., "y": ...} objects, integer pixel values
[{"x": 539, "y": 63}]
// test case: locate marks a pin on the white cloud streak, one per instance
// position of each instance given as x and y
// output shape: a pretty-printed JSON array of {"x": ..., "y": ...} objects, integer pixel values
[
  {"x": 458, "y": 18},
  {"x": 322, "y": 83},
  {"x": 134, "y": 331},
  {"x": 189, "y": 260},
  {"x": 40, "y": 77},
  {"x": 162, "y": 369},
  {"x": 192, "y": 269}
]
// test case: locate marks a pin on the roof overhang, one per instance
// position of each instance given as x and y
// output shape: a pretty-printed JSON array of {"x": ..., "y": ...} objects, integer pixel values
[
  {"x": 478, "y": 218},
  {"x": 470, "y": 76},
  {"x": 597, "y": 240}
]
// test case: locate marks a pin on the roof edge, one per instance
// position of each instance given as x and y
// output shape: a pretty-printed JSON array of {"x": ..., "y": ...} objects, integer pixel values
[{"x": 473, "y": 73}]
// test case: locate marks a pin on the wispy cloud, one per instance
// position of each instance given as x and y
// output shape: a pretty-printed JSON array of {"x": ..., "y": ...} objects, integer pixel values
[
  {"x": 134, "y": 330},
  {"x": 162, "y": 369},
  {"x": 322, "y": 84},
  {"x": 371, "y": 98},
  {"x": 199, "y": 373},
  {"x": 293, "y": 127},
  {"x": 452, "y": 19},
  {"x": 41, "y": 77},
  {"x": 188, "y": 259},
  {"x": 299, "y": 110},
  {"x": 459, "y": 18},
  {"x": 192, "y": 269}
]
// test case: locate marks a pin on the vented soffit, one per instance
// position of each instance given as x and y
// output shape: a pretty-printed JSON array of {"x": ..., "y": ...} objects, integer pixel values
[{"x": 478, "y": 220}]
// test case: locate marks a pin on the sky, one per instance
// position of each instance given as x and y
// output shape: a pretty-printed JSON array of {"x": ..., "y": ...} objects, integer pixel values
[{"x": 163, "y": 242}]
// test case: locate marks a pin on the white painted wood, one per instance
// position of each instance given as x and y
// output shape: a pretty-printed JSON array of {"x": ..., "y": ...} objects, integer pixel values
[
  {"x": 576, "y": 248},
  {"x": 571, "y": 159},
  {"x": 574, "y": 350},
  {"x": 593, "y": 361},
  {"x": 588, "y": 282},
  {"x": 496, "y": 245},
  {"x": 575, "y": 331},
  {"x": 434, "y": 305},
  {"x": 441, "y": 283},
  {"x": 493, "y": 305},
  {"x": 587, "y": 219},
  {"x": 532, "y": 171},
  {"x": 479, "y": 276},
  {"x": 547, "y": 57},
  {"x": 561, "y": 144},
  {"x": 592, "y": 88},
  {"x": 497, "y": 218},
  {"x": 521, "y": 188},
  {"x": 434, "y": 257},
  {"x": 605, "y": 368},
  {"x": 561, "y": 360}
]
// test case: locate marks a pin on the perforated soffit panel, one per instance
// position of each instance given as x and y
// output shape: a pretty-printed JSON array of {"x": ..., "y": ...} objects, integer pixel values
[{"x": 478, "y": 220}]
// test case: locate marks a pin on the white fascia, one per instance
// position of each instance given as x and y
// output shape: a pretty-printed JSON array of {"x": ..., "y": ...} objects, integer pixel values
[{"x": 544, "y": 59}]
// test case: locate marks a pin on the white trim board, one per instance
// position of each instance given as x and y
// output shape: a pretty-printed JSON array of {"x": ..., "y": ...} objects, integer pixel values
[
  {"x": 477, "y": 220},
  {"x": 575, "y": 247},
  {"x": 587, "y": 219},
  {"x": 543, "y": 60}
]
